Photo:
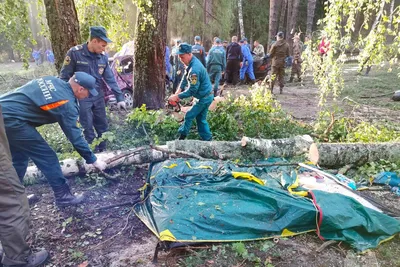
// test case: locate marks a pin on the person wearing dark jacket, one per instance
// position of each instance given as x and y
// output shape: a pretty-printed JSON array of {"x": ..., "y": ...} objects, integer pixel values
[
  {"x": 278, "y": 52},
  {"x": 233, "y": 59},
  {"x": 198, "y": 50},
  {"x": 92, "y": 59},
  {"x": 45, "y": 101}
]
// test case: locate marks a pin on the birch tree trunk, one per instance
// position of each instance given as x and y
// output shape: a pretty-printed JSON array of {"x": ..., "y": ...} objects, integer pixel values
[
  {"x": 64, "y": 28},
  {"x": 150, "y": 44},
  {"x": 310, "y": 15},
  {"x": 333, "y": 155},
  {"x": 241, "y": 26},
  {"x": 273, "y": 20},
  {"x": 325, "y": 154}
]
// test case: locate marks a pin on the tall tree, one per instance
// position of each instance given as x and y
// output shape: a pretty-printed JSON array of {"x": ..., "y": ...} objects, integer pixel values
[
  {"x": 150, "y": 54},
  {"x": 289, "y": 18},
  {"x": 273, "y": 20},
  {"x": 64, "y": 27},
  {"x": 310, "y": 15},
  {"x": 240, "y": 11},
  {"x": 282, "y": 15}
]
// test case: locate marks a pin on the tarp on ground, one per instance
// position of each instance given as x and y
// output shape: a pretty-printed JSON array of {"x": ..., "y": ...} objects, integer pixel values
[{"x": 209, "y": 201}]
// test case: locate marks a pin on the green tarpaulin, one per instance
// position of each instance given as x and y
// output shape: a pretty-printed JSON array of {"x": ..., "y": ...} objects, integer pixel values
[{"x": 211, "y": 201}]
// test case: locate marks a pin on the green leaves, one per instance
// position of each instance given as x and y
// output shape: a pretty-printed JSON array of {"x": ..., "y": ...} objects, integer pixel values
[{"x": 16, "y": 29}]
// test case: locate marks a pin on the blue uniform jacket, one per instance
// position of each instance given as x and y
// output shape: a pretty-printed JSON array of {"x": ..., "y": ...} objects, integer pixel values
[
  {"x": 200, "y": 53},
  {"x": 197, "y": 78},
  {"x": 79, "y": 58},
  {"x": 44, "y": 101},
  {"x": 246, "y": 54},
  {"x": 216, "y": 56}
]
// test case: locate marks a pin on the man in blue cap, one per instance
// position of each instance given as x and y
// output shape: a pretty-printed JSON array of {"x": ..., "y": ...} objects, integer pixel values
[
  {"x": 91, "y": 58},
  {"x": 197, "y": 84},
  {"x": 198, "y": 50},
  {"x": 246, "y": 66},
  {"x": 45, "y": 101},
  {"x": 216, "y": 63}
]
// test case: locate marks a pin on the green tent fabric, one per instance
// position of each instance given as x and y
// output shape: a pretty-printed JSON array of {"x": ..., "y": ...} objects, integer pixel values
[
  {"x": 342, "y": 218},
  {"x": 211, "y": 201}
]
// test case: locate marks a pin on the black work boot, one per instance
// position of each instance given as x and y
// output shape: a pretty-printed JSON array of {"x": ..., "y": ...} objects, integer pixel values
[
  {"x": 241, "y": 83},
  {"x": 291, "y": 79},
  {"x": 281, "y": 90},
  {"x": 33, "y": 260},
  {"x": 65, "y": 198},
  {"x": 182, "y": 137}
]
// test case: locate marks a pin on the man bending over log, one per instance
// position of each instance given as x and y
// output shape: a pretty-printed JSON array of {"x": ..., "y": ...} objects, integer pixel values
[{"x": 44, "y": 101}]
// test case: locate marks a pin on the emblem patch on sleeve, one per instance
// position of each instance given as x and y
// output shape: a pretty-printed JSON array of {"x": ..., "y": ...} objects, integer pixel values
[
  {"x": 67, "y": 60},
  {"x": 193, "y": 79},
  {"x": 101, "y": 70}
]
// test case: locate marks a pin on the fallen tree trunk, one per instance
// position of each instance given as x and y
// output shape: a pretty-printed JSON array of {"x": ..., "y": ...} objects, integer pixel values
[
  {"x": 335, "y": 155},
  {"x": 223, "y": 150},
  {"x": 325, "y": 154}
]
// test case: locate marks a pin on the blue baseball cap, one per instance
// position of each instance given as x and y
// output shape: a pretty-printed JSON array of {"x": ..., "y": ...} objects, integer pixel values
[
  {"x": 99, "y": 32},
  {"x": 218, "y": 41},
  {"x": 197, "y": 38},
  {"x": 184, "y": 48},
  {"x": 87, "y": 81},
  {"x": 244, "y": 39}
]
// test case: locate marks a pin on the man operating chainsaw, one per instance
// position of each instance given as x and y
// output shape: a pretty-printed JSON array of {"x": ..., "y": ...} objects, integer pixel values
[{"x": 197, "y": 84}]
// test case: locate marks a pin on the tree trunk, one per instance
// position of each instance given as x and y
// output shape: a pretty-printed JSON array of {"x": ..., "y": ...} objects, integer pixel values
[
  {"x": 334, "y": 155},
  {"x": 293, "y": 22},
  {"x": 150, "y": 44},
  {"x": 207, "y": 10},
  {"x": 325, "y": 154},
  {"x": 273, "y": 20},
  {"x": 378, "y": 16},
  {"x": 240, "y": 11},
  {"x": 64, "y": 27},
  {"x": 310, "y": 15},
  {"x": 289, "y": 18},
  {"x": 282, "y": 15}
]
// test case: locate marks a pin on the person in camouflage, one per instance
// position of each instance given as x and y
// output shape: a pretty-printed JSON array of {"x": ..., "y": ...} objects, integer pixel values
[
  {"x": 296, "y": 66},
  {"x": 278, "y": 52}
]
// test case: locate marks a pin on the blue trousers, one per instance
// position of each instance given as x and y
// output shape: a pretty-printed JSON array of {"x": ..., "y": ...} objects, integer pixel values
[
  {"x": 26, "y": 143},
  {"x": 199, "y": 112},
  {"x": 215, "y": 75},
  {"x": 92, "y": 115},
  {"x": 247, "y": 69}
]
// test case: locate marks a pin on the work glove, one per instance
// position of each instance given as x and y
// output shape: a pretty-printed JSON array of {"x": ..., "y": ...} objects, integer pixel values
[
  {"x": 100, "y": 165},
  {"x": 121, "y": 105}
]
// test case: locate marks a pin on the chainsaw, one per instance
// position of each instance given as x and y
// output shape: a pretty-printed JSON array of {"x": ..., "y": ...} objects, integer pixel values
[{"x": 172, "y": 106}]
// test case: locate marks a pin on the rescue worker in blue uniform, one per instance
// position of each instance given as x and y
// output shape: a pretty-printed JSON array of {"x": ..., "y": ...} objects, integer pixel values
[
  {"x": 198, "y": 50},
  {"x": 198, "y": 85},
  {"x": 45, "y": 101},
  {"x": 216, "y": 63},
  {"x": 91, "y": 58},
  {"x": 14, "y": 213},
  {"x": 246, "y": 66}
]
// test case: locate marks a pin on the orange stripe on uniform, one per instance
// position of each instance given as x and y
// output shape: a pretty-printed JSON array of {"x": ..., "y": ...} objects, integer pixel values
[{"x": 54, "y": 105}]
